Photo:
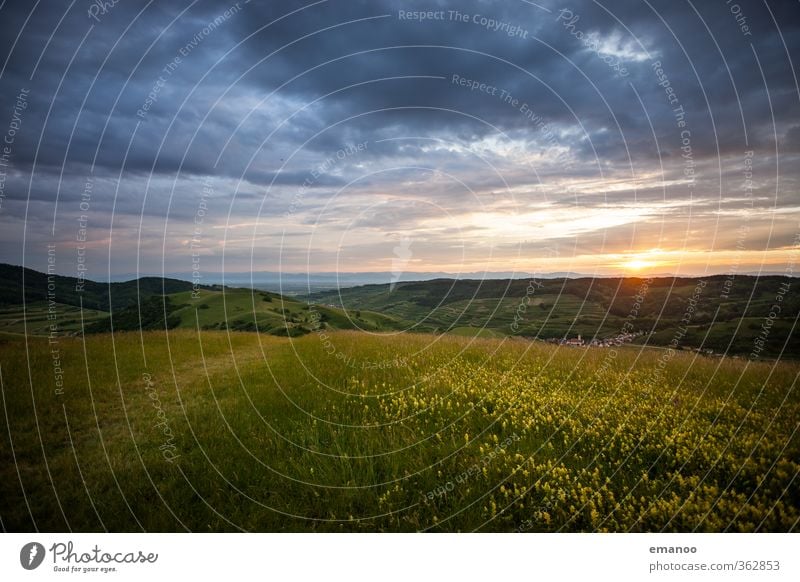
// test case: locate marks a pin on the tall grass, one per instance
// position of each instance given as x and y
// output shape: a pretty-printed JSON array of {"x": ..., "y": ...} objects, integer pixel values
[{"x": 357, "y": 432}]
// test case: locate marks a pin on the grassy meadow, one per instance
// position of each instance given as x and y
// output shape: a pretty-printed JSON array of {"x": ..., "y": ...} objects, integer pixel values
[{"x": 207, "y": 430}]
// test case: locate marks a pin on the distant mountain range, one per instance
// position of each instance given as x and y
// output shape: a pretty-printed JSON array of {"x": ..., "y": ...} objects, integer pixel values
[
  {"x": 301, "y": 283},
  {"x": 293, "y": 283},
  {"x": 274, "y": 280},
  {"x": 351, "y": 277}
]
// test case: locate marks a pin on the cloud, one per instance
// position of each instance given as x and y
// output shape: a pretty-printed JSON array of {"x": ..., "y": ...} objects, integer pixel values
[{"x": 151, "y": 100}]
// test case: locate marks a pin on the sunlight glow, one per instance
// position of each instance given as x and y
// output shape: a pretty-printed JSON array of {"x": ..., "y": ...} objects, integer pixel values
[
  {"x": 643, "y": 261},
  {"x": 637, "y": 265}
]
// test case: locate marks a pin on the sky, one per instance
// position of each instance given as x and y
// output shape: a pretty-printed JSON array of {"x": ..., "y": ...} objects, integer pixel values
[{"x": 602, "y": 138}]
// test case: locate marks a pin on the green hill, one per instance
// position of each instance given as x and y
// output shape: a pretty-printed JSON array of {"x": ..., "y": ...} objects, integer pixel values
[
  {"x": 248, "y": 310},
  {"x": 723, "y": 317},
  {"x": 152, "y": 303},
  {"x": 16, "y": 282}
]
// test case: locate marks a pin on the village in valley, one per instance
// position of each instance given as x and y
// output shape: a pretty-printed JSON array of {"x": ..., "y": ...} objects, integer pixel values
[
  {"x": 621, "y": 339},
  {"x": 617, "y": 340}
]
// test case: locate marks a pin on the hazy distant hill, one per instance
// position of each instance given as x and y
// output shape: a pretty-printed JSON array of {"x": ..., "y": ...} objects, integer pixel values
[{"x": 311, "y": 282}]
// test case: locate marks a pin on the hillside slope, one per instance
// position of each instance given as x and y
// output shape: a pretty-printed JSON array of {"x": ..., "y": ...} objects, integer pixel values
[
  {"x": 152, "y": 303},
  {"x": 216, "y": 431},
  {"x": 18, "y": 282},
  {"x": 715, "y": 313}
]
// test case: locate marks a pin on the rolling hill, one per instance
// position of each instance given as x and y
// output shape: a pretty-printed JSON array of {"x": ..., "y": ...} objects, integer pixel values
[
  {"x": 716, "y": 313},
  {"x": 153, "y": 303},
  {"x": 18, "y": 282}
]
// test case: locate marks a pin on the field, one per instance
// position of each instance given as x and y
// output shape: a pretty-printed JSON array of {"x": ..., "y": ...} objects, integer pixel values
[
  {"x": 33, "y": 320},
  {"x": 725, "y": 316},
  {"x": 246, "y": 310},
  {"x": 210, "y": 309},
  {"x": 353, "y": 431}
]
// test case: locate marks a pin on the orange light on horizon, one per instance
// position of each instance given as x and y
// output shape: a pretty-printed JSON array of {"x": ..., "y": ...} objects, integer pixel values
[
  {"x": 637, "y": 265},
  {"x": 643, "y": 261}
]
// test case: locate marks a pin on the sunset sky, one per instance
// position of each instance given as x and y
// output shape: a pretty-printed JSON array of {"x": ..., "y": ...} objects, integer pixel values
[{"x": 600, "y": 138}]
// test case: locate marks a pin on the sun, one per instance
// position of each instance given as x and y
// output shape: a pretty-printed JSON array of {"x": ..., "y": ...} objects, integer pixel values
[
  {"x": 641, "y": 261},
  {"x": 637, "y": 264}
]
